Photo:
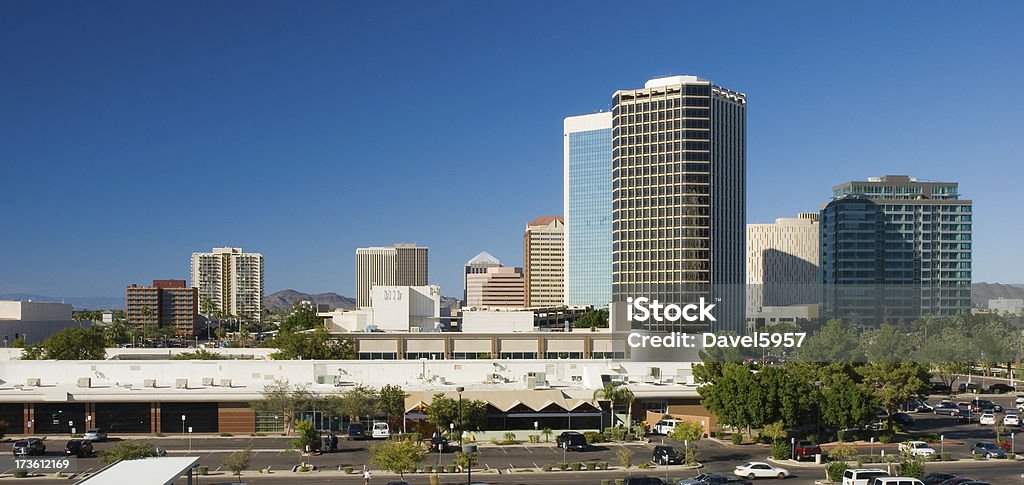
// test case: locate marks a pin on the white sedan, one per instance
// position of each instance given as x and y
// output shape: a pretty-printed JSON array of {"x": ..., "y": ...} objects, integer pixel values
[
  {"x": 987, "y": 418},
  {"x": 760, "y": 469},
  {"x": 1011, "y": 420}
]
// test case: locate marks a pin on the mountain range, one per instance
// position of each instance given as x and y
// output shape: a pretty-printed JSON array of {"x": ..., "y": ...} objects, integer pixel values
[{"x": 981, "y": 293}]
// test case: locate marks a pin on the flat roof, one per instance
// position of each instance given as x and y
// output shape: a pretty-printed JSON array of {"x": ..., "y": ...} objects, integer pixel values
[{"x": 147, "y": 471}]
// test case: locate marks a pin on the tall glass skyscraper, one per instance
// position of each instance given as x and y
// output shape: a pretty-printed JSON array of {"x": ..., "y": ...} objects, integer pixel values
[
  {"x": 587, "y": 156},
  {"x": 894, "y": 248},
  {"x": 678, "y": 198}
]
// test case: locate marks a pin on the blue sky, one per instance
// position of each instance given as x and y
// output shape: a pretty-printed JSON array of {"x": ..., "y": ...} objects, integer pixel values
[{"x": 134, "y": 133}]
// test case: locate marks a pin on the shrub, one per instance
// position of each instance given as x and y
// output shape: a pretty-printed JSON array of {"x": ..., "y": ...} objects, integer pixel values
[
  {"x": 619, "y": 481},
  {"x": 605, "y": 481},
  {"x": 434, "y": 479},
  {"x": 20, "y": 473},
  {"x": 563, "y": 466},
  {"x": 593, "y": 437},
  {"x": 912, "y": 468},
  {"x": 841, "y": 435},
  {"x": 577, "y": 466},
  {"x": 947, "y": 456},
  {"x": 204, "y": 470},
  {"x": 690, "y": 457},
  {"x": 737, "y": 438},
  {"x": 775, "y": 431},
  {"x": 617, "y": 434},
  {"x": 781, "y": 450},
  {"x": 843, "y": 452},
  {"x": 546, "y": 468},
  {"x": 813, "y": 438},
  {"x": 534, "y": 438},
  {"x": 885, "y": 437},
  {"x": 591, "y": 466},
  {"x": 625, "y": 458},
  {"x": 348, "y": 469},
  {"x": 226, "y": 435},
  {"x": 645, "y": 466},
  {"x": 510, "y": 436},
  {"x": 602, "y": 465},
  {"x": 834, "y": 471}
]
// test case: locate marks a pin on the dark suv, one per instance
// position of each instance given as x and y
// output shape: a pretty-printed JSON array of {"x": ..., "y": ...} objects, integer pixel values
[
  {"x": 31, "y": 446},
  {"x": 572, "y": 440},
  {"x": 666, "y": 455},
  {"x": 644, "y": 481},
  {"x": 356, "y": 431},
  {"x": 79, "y": 448}
]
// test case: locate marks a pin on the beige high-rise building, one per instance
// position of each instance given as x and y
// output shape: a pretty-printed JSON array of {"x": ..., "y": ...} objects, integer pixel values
[
  {"x": 231, "y": 280},
  {"x": 544, "y": 262},
  {"x": 782, "y": 262},
  {"x": 399, "y": 265},
  {"x": 496, "y": 287}
]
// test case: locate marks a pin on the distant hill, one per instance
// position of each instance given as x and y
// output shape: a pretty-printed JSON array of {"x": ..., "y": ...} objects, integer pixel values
[
  {"x": 284, "y": 299},
  {"x": 77, "y": 302},
  {"x": 981, "y": 293}
]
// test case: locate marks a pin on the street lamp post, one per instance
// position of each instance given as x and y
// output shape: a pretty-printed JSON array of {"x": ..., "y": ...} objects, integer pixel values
[
  {"x": 459, "y": 390},
  {"x": 182, "y": 424},
  {"x": 817, "y": 406},
  {"x": 469, "y": 450}
]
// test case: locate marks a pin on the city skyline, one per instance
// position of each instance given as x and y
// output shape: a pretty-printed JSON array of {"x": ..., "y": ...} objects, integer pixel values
[{"x": 92, "y": 135}]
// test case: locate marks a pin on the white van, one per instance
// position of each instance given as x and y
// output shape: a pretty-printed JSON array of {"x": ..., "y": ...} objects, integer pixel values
[
  {"x": 380, "y": 430},
  {"x": 862, "y": 476},
  {"x": 665, "y": 426},
  {"x": 896, "y": 481}
]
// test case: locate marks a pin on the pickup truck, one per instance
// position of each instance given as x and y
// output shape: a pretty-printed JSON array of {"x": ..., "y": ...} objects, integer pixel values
[{"x": 806, "y": 450}]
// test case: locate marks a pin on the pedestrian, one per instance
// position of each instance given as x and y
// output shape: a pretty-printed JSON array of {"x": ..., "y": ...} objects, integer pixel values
[{"x": 366, "y": 476}]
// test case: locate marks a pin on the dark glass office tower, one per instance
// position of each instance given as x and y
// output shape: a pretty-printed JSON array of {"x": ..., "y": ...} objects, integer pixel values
[{"x": 678, "y": 188}]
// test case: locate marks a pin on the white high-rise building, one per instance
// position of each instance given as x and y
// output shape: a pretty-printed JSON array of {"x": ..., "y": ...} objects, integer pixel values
[
  {"x": 231, "y": 280},
  {"x": 782, "y": 262},
  {"x": 398, "y": 265}
]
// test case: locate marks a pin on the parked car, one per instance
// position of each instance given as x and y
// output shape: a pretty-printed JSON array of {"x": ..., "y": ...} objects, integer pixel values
[
  {"x": 988, "y": 449},
  {"x": 760, "y": 469},
  {"x": 946, "y": 407},
  {"x": 896, "y": 481},
  {"x": 979, "y": 405},
  {"x": 902, "y": 419},
  {"x": 1019, "y": 400},
  {"x": 380, "y": 431},
  {"x": 79, "y": 448},
  {"x": 957, "y": 480},
  {"x": 665, "y": 426},
  {"x": 937, "y": 478},
  {"x": 917, "y": 448},
  {"x": 666, "y": 455},
  {"x": 861, "y": 476},
  {"x": 356, "y": 431},
  {"x": 571, "y": 440},
  {"x": 31, "y": 446},
  {"x": 964, "y": 416},
  {"x": 1000, "y": 388},
  {"x": 96, "y": 434},
  {"x": 968, "y": 387},
  {"x": 439, "y": 444},
  {"x": 940, "y": 388},
  {"x": 644, "y": 480},
  {"x": 987, "y": 419},
  {"x": 806, "y": 450},
  {"x": 712, "y": 479},
  {"x": 1011, "y": 419},
  {"x": 920, "y": 407}
]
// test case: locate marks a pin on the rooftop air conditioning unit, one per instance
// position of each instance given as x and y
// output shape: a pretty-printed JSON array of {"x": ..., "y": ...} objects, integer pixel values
[
  {"x": 32, "y": 382},
  {"x": 225, "y": 383},
  {"x": 149, "y": 383},
  {"x": 207, "y": 381},
  {"x": 84, "y": 382},
  {"x": 181, "y": 383}
]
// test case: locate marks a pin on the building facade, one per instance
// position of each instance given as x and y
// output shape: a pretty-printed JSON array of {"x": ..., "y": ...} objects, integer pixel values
[
  {"x": 497, "y": 287},
  {"x": 231, "y": 281},
  {"x": 33, "y": 321},
  {"x": 587, "y": 178},
  {"x": 168, "y": 303},
  {"x": 478, "y": 264},
  {"x": 782, "y": 262},
  {"x": 678, "y": 197},
  {"x": 544, "y": 262},
  {"x": 398, "y": 265},
  {"x": 895, "y": 248}
]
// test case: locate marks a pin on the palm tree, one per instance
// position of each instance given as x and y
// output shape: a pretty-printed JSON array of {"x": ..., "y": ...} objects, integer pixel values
[{"x": 614, "y": 392}]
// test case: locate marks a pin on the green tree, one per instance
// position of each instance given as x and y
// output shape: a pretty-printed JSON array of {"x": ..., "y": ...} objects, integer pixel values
[
  {"x": 302, "y": 317},
  {"x": 356, "y": 402},
  {"x": 305, "y": 435},
  {"x": 592, "y": 319},
  {"x": 834, "y": 342},
  {"x": 546, "y": 433},
  {"x": 400, "y": 457},
  {"x": 894, "y": 383},
  {"x": 238, "y": 462},
  {"x": 687, "y": 431},
  {"x": 69, "y": 344},
  {"x": 392, "y": 402},
  {"x": 444, "y": 411},
  {"x": 117, "y": 332},
  {"x": 465, "y": 460},
  {"x": 616, "y": 393},
  {"x": 845, "y": 403},
  {"x": 127, "y": 450},
  {"x": 283, "y": 399},
  {"x": 314, "y": 345},
  {"x": 198, "y": 354}
]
